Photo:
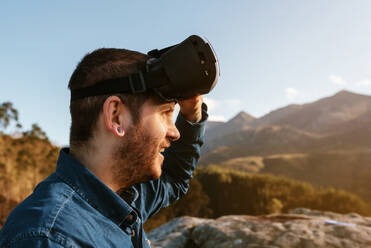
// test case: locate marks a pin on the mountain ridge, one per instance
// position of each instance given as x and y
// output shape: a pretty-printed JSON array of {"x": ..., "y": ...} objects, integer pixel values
[
  {"x": 327, "y": 116},
  {"x": 339, "y": 94}
]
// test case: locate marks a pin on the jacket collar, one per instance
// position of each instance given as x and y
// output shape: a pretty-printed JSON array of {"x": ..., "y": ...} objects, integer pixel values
[{"x": 91, "y": 188}]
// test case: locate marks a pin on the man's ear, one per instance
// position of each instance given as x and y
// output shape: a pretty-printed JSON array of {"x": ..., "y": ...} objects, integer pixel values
[{"x": 116, "y": 116}]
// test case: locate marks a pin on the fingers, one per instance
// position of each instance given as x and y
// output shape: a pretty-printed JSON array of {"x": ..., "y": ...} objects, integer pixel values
[{"x": 191, "y": 108}]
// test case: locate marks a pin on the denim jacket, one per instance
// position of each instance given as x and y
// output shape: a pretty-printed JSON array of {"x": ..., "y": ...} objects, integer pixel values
[{"x": 73, "y": 208}]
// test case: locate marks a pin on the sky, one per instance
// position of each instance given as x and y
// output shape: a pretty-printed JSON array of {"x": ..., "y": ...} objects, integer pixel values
[{"x": 271, "y": 52}]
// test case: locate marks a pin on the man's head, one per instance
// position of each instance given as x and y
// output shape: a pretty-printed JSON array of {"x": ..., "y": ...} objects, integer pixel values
[
  {"x": 101, "y": 64},
  {"x": 130, "y": 129}
]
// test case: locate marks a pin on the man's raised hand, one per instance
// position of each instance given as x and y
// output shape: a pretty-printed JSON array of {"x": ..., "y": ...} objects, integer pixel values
[{"x": 191, "y": 108}]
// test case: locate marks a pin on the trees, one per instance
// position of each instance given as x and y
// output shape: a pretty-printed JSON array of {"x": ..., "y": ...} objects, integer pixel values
[
  {"x": 25, "y": 160},
  {"x": 235, "y": 192},
  {"x": 8, "y": 114},
  {"x": 36, "y": 132}
]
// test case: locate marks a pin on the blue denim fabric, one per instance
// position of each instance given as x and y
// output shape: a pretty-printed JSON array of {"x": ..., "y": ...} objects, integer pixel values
[{"x": 73, "y": 208}]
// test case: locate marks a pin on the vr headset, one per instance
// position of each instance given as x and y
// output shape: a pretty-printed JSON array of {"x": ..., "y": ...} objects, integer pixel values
[{"x": 174, "y": 73}]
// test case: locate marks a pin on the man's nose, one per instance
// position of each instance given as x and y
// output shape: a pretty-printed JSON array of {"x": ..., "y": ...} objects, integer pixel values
[{"x": 173, "y": 133}]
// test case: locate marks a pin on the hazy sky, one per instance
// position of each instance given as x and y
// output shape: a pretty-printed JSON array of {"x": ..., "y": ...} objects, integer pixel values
[{"x": 272, "y": 53}]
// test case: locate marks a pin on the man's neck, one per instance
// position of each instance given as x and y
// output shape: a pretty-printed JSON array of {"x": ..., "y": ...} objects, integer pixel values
[{"x": 97, "y": 162}]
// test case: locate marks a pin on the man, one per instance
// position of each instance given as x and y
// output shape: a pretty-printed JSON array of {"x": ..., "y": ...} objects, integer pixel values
[{"x": 126, "y": 161}]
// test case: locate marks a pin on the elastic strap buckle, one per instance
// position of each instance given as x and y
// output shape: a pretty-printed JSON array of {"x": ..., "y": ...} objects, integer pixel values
[{"x": 134, "y": 78}]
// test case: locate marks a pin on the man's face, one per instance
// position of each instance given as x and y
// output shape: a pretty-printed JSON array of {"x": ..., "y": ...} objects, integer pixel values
[{"x": 138, "y": 157}]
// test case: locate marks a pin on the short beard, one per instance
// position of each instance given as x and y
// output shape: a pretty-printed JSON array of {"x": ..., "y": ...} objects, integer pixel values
[{"x": 134, "y": 157}]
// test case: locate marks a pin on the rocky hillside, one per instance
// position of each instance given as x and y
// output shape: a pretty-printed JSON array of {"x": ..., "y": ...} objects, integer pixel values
[{"x": 300, "y": 228}]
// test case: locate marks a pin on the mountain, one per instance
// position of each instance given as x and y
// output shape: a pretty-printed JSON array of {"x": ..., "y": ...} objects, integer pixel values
[
  {"x": 241, "y": 119},
  {"x": 239, "y": 122},
  {"x": 326, "y": 142},
  {"x": 215, "y": 130},
  {"x": 321, "y": 116},
  {"x": 277, "y": 115},
  {"x": 213, "y": 124},
  {"x": 265, "y": 140},
  {"x": 342, "y": 118}
]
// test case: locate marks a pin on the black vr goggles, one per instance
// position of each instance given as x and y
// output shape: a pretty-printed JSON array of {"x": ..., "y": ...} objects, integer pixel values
[{"x": 174, "y": 73}]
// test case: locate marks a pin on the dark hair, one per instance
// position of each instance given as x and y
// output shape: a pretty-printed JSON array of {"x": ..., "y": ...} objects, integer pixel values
[{"x": 99, "y": 65}]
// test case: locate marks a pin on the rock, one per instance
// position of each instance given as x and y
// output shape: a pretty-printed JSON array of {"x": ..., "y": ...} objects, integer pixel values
[
  {"x": 301, "y": 228},
  {"x": 175, "y": 233}
]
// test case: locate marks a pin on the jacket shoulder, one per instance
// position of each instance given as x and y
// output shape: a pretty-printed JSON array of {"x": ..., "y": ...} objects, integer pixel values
[
  {"x": 34, "y": 217},
  {"x": 38, "y": 237}
]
